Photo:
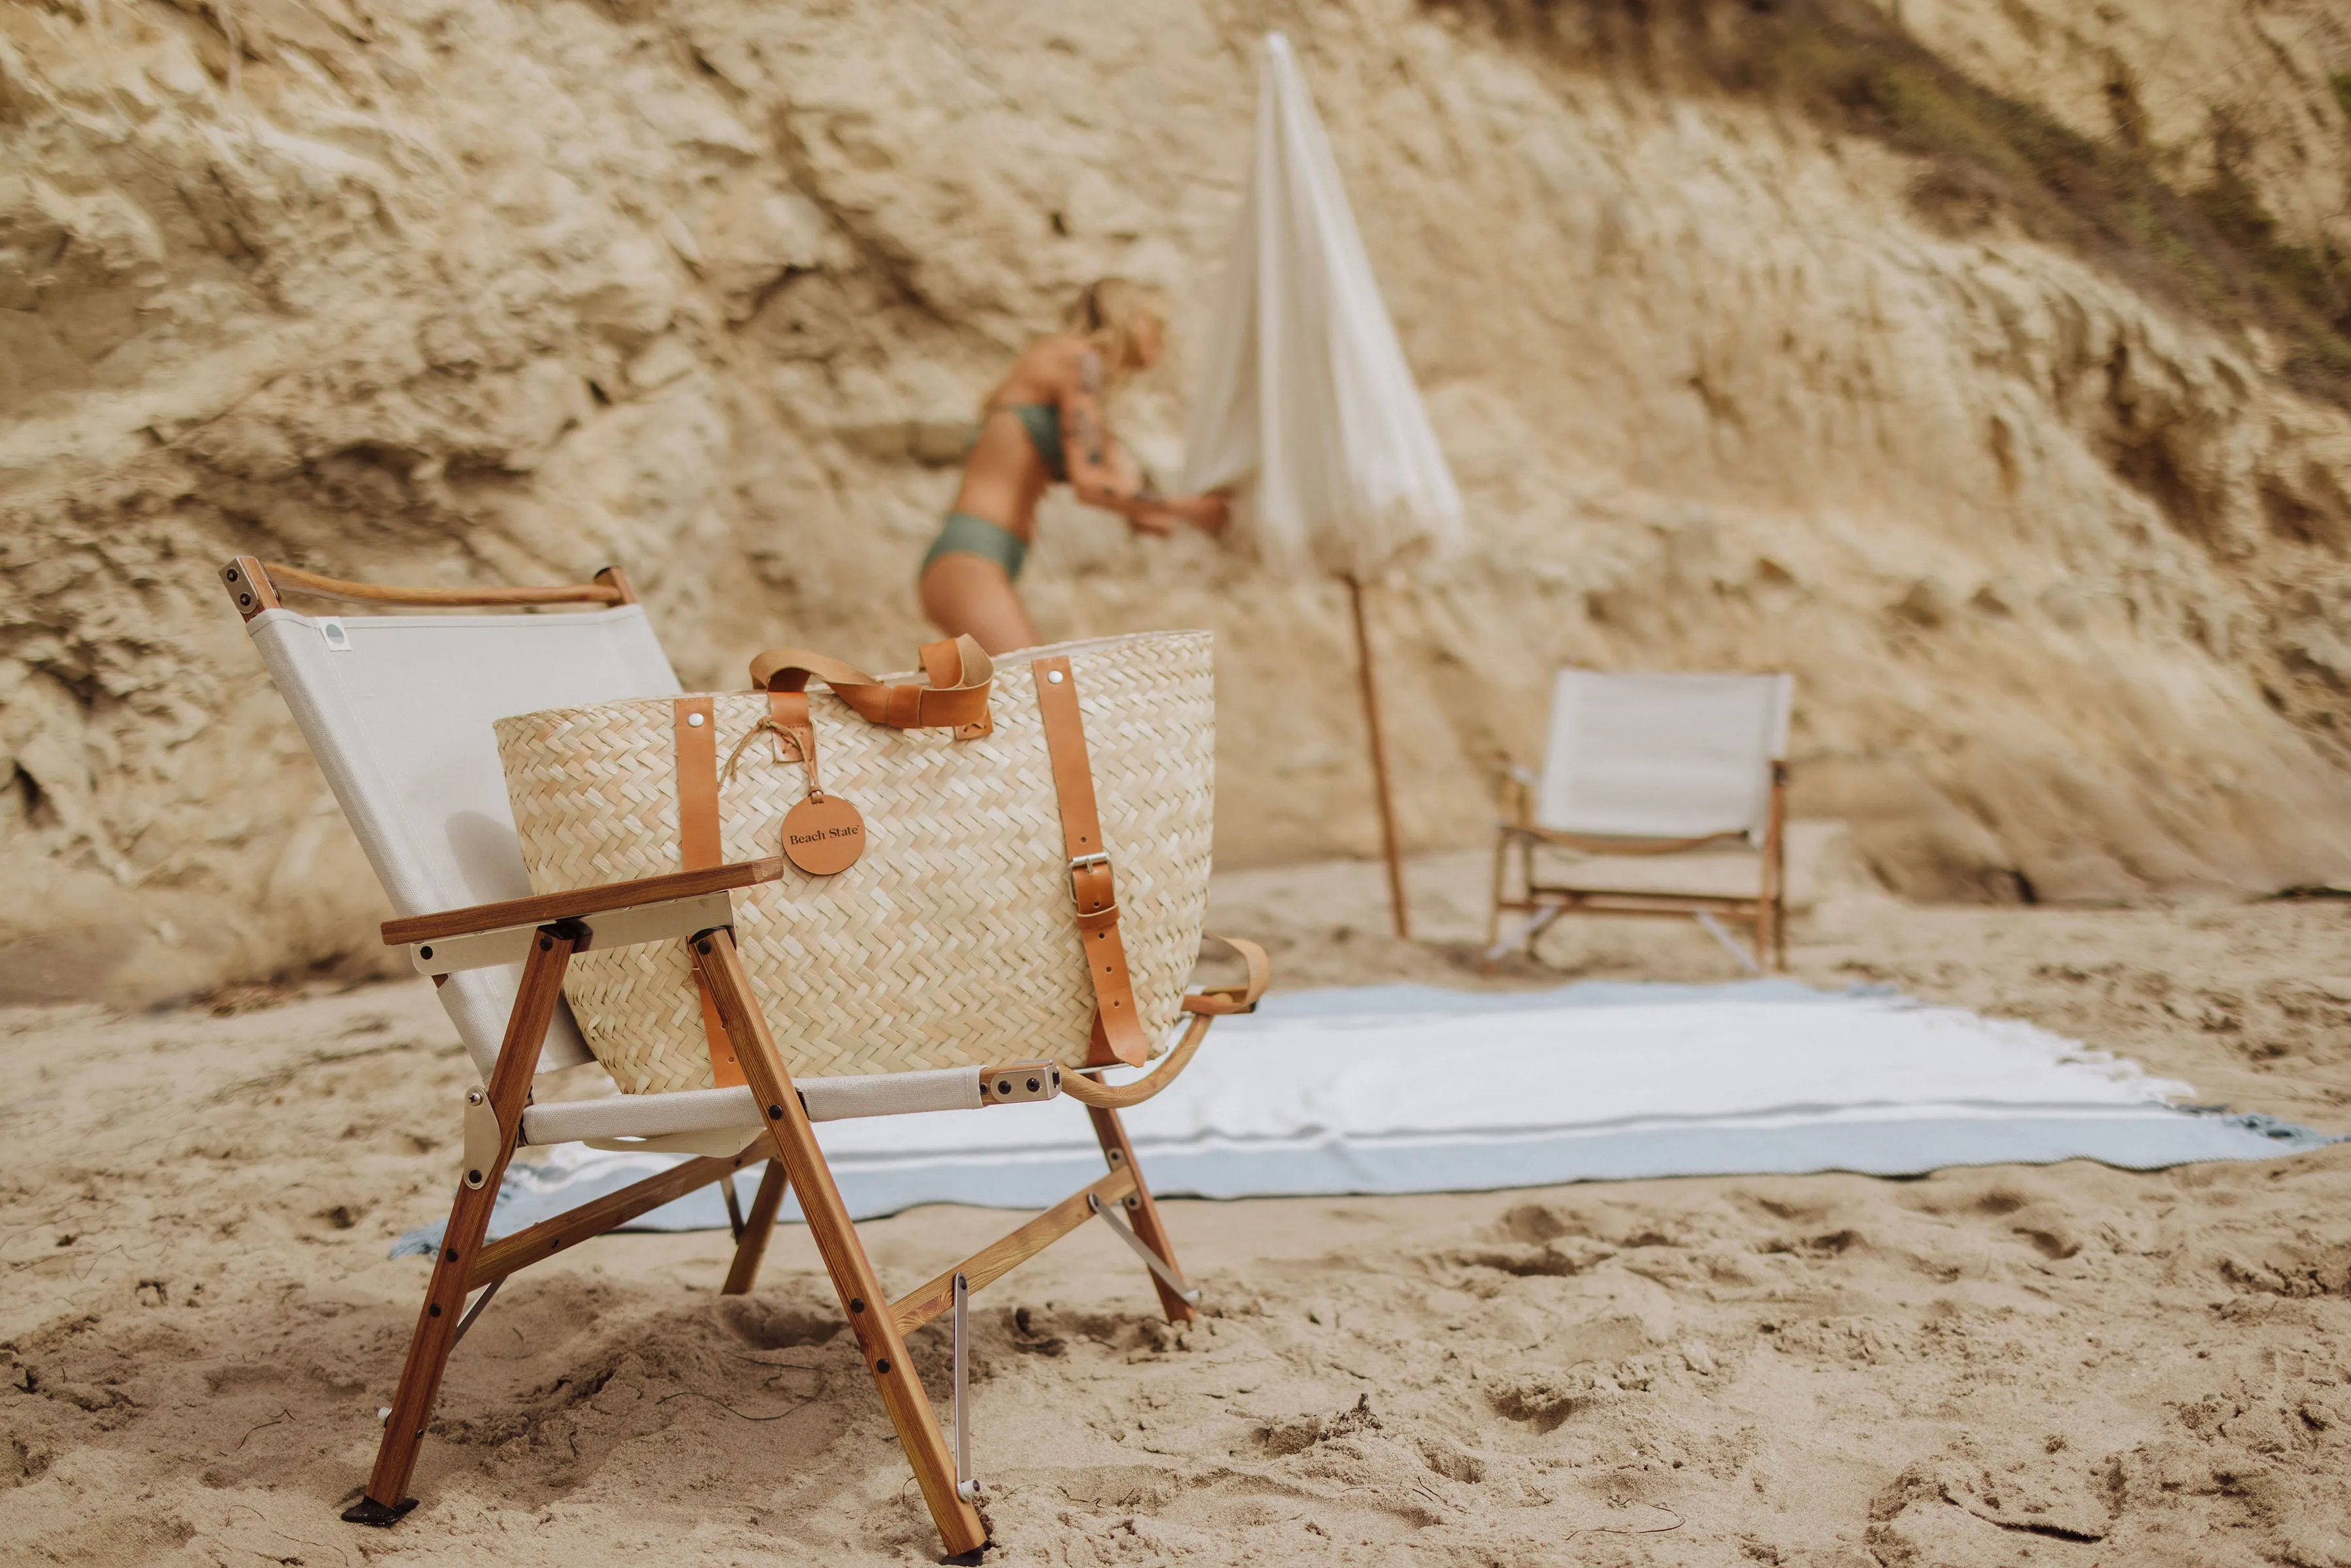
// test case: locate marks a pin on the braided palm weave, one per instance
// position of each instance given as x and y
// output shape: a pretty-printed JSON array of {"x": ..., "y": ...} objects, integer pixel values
[{"x": 952, "y": 941}]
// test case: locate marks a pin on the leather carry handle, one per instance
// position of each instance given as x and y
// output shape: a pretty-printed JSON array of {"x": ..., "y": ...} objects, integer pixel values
[
  {"x": 960, "y": 673},
  {"x": 1217, "y": 1000},
  {"x": 1204, "y": 1007}
]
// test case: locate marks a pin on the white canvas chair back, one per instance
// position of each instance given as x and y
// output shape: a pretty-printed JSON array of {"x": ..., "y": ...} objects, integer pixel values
[
  {"x": 397, "y": 710},
  {"x": 1662, "y": 757}
]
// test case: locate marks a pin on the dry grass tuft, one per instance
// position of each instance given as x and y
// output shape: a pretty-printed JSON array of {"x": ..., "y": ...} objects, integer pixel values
[{"x": 2213, "y": 252}]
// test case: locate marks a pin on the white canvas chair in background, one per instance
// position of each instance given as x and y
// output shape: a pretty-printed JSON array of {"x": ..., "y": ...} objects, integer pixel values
[
  {"x": 397, "y": 711},
  {"x": 1652, "y": 765}
]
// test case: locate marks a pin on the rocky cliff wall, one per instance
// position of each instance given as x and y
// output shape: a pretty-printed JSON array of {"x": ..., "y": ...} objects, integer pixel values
[{"x": 482, "y": 292}]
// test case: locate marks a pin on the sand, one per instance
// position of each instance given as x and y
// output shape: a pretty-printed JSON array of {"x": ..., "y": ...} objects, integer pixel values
[{"x": 2063, "y": 1366}]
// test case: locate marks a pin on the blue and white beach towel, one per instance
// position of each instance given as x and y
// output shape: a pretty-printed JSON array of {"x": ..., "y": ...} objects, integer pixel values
[{"x": 1398, "y": 1089}]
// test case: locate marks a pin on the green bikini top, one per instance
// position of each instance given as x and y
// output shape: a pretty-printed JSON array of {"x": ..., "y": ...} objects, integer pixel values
[{"x": 1042, "y": 420}]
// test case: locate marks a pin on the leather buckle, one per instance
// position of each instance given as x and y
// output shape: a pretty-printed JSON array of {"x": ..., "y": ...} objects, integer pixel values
[{"x": 1094, "y": 919}]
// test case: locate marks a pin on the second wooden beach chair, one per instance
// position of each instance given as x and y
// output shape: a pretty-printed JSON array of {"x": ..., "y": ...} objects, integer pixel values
[{"x": 1642, "y": 764}]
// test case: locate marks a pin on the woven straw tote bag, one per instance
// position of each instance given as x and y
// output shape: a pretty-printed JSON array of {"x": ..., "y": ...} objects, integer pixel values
[{"x": 985, "y": 915}]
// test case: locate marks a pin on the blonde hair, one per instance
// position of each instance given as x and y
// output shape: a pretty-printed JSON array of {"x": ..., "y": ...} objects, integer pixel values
[{"x": 1108, "y": 312}]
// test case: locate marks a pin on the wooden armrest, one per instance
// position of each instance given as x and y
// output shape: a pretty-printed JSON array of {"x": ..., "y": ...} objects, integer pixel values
[
  {"x": 1514, "y": 790},
  {"x": 580, "y": 901}
]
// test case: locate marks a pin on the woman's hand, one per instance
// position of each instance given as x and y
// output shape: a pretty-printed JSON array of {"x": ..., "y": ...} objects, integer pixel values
[
  {"x": 1160, "y": 514},
  {"x": 1209, "y": 513}
]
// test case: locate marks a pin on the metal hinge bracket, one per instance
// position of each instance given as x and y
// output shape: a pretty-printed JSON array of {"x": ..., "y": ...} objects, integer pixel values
[{"x": 483, "y": 1136}]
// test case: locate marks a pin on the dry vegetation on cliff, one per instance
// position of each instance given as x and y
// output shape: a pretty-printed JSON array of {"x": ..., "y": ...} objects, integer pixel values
[{"x": 2111, "y": 198}]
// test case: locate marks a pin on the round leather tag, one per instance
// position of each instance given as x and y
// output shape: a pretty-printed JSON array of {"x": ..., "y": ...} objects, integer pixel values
[{"x": 823, "y": 834}]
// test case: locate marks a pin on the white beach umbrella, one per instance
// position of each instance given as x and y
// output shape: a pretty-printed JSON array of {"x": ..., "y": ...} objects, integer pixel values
[{"x": 1306, "y": 408}]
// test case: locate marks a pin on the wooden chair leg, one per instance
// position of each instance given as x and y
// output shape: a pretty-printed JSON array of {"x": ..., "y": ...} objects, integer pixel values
[
  {"x": 757, "y": 1227},
  {"x": 1120, "y": 1154},
  {"x": 870, "y": 1316},
  {"x": 386, "y": 1499},
  {"x": 1775, "y": 871},
  {"x": 1526, "y": 877},
  {"x": 1494, "y": 906}
]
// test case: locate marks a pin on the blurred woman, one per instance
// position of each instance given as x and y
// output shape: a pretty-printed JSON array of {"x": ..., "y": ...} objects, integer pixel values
[{"x": 1045, "y": 424}]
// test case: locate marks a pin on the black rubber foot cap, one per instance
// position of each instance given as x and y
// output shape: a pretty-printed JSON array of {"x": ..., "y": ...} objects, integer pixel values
[
  {"x": 382, "y": 1515},
  {"x": 970, "y": 1559}
]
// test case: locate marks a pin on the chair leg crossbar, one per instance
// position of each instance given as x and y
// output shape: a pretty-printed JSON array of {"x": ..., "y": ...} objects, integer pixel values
[
  {"x": 1722, "y": 934},
  {"x": 1169, "y": 1277},
  {"x": 476, "y": 1310},
  {"x": 793, "y": 1160}
]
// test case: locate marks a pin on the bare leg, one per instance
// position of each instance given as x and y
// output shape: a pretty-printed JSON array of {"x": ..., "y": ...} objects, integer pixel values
[{"x": 971, "y": 595}]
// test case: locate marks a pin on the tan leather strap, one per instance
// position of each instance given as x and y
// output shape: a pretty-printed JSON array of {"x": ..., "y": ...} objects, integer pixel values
[
  {"x": 698, "y": 849},
  {"x": 697, "y": 783},
  {"x": 1204, "y": 1006},
  {"x": 943, "y": 667},
  {"x": 1086, "y": 1091},
  {"x": 1241, "y": 998},
  {"x": 958, "y": 703},
  {"x": 788, "y": 716},
  {"x": 1118, "y": 1033},
  {"x": 790, "y": 729}
]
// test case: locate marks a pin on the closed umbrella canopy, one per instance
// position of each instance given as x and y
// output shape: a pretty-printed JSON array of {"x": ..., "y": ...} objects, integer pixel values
[{"x": 1306, "y": 406}]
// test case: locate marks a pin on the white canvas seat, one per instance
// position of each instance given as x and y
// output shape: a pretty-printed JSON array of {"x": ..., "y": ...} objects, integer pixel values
[
  {"x": 1652, "y": 764},
  {"x": 397, "y": 710},
  {"x": 710, "y": 1110}
]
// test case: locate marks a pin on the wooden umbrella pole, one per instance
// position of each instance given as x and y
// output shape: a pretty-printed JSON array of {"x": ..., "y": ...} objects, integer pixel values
[{"x": 1379, "y": 760}]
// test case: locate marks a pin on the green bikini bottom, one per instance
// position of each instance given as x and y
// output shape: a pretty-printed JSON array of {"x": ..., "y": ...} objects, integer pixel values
[{"x": 964, "y": 534}]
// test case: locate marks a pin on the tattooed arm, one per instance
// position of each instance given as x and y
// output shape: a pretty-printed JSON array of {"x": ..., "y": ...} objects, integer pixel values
[{"x": 1103, "y": 474}]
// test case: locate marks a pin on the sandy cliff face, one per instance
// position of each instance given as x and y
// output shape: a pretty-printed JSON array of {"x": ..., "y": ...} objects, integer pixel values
[{"x": 434, "y": 292}]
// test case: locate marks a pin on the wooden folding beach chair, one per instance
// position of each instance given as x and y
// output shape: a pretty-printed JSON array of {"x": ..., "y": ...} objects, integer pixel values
[
  {"x": 397, "y": 711},
  {"x": 1651, "y": 765}
]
